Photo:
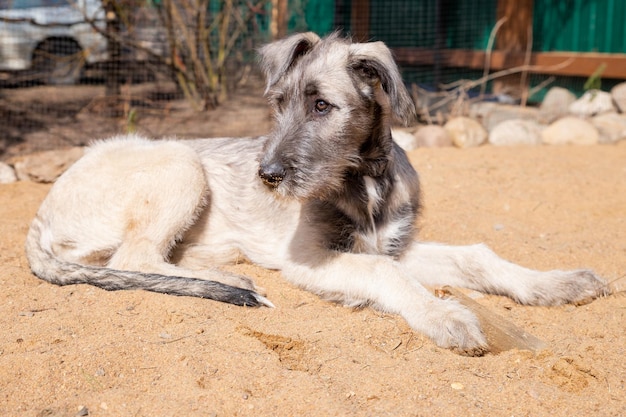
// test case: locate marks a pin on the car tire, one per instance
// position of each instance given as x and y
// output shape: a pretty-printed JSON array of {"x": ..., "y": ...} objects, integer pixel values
[{"x": 58, "y": 62}]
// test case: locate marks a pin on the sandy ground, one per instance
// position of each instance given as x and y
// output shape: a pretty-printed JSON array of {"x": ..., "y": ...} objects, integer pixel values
[
  {"x": 67, "y": 349},
  {"x": 143, "y": 354}
]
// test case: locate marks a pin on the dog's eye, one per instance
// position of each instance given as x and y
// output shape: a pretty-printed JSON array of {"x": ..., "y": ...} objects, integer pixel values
[{"x": 322, "y": 107}]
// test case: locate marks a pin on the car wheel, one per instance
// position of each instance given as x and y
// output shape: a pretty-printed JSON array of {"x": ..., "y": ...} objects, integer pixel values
[{"x": 58, "y": 62}]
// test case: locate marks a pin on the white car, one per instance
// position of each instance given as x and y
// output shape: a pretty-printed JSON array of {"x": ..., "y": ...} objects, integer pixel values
[{"x": 51, "y": 39}]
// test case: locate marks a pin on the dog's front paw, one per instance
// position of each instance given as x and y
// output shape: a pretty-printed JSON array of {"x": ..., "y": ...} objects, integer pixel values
[
  {"x": 562, "y": 287},
  {"x": 452, "y": 326}
]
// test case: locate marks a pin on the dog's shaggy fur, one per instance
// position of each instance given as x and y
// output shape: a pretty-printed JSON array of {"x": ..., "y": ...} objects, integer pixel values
[{"x": 327, "y": 197}]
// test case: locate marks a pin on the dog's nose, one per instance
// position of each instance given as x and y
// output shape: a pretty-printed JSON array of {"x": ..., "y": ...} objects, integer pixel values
[{"x": 272, "y": 174}]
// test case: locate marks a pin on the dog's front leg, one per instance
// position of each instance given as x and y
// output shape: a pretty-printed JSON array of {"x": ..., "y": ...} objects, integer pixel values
[
  {"x": 384, "y": 283},
  {"x": 479, "y": 268}
]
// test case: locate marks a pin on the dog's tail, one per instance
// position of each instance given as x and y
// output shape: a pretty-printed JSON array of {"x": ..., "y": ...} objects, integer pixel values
[{"x": 46, "y": 266}]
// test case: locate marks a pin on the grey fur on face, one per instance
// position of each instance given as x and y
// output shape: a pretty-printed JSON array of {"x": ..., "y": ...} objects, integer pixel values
[{"x": 333, "y": 103}]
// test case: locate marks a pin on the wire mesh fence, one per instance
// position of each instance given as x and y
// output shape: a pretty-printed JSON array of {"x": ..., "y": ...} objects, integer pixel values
[
  {"x": 69, "y": 65},
  {"x": 75, "y": 70}
]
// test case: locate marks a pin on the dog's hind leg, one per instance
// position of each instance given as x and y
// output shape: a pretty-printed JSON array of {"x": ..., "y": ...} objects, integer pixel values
[
  {"x": 122, "y": 208},
  {"x": 479, "y": 268},
  {"x": 169, "y": 194}
]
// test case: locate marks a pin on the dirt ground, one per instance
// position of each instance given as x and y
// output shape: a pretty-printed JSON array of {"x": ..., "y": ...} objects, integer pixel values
[{"x": 67, "y": 351}]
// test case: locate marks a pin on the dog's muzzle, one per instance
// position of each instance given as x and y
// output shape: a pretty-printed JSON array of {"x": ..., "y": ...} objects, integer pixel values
[{"x": 272, "y": 174}]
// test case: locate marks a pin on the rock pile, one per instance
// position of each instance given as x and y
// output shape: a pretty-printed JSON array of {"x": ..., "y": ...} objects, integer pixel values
[
  {"x": 596, "y": 117},
  {"x": 7, "y": 174},
  {"x": 43, "y": 167},
  {"x": 561, "y": 119}
]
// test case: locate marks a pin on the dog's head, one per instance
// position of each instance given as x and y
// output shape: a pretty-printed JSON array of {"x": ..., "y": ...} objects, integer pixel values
[{"x": 333, "y": 103}]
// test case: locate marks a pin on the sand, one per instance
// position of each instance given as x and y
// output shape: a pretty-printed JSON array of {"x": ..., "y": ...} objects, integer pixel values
[{"x": 68, "y": 351}]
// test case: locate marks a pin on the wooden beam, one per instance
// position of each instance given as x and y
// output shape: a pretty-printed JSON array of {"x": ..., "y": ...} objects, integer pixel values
[
  {"x": 583, "y": 64},
  {"x": 278, "y": 25},
  {"x": 579, "y": 64},
  {"x": 360, "y": 20},
  {"x": 513, "y": 36}
]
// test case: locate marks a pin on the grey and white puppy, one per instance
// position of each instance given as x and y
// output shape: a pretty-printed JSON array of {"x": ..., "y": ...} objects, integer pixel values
[{"x": 327, "y": 197}]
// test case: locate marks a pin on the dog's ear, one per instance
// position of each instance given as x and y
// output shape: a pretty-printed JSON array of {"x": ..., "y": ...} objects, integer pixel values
[
  {"x": 277, "y": 58},
  {"x": 373, "y": 63}
]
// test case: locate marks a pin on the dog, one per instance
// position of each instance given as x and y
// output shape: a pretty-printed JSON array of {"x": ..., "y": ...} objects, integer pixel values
[{"x": 327, "y": 197}]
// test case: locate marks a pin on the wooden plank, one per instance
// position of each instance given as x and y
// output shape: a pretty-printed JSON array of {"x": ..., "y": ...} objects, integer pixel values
[
  {"x": 278, "y": 24},
  {"x": 360, "y": 20},
  {"x": 283, "y": 17},
  {"x": 583, "y": 64},
  {"x": 514, "y": 33},
  {"x": 578, "y": 64}
]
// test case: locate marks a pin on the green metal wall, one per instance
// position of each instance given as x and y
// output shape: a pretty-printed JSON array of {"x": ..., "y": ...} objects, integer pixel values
[
  {"x": 559, "y": 25},
  {"x": 580, "y": 25},
  {"x": 311, "y": 15},
  {"x": 413, "y": 23},
  {"x": 403, "y": 23}
]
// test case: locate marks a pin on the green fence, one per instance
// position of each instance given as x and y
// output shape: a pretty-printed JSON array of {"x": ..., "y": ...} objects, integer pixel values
[
  {"x": 558, "y": 26},
  {"x": 580, "y": 25}
]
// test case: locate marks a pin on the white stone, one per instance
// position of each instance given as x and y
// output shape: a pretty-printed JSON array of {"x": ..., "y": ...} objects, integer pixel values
[
  {"x": 619, "y": 96},
  {"x": 481, "y": 109},
  {"x": 7, "y": 174},
  {"x": 591, "y": 103},
  {"x": 501, "y": 112},
  {"x": 612, "y": 127},
  {"x": 466, "y": 132},
  {"x": 405, "y": 139},
  {"x": 45, "y": 166},
  {"x": 556, "y": 104},
  {"x": 432, "y": 136},
  {"x": 570, "y": 130},
  {"x": 516, "y": 132}
]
